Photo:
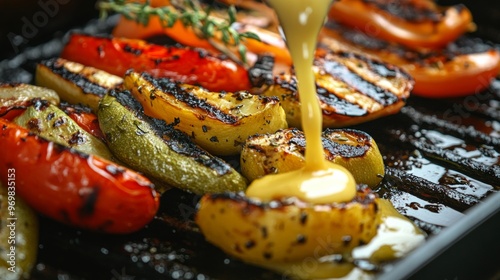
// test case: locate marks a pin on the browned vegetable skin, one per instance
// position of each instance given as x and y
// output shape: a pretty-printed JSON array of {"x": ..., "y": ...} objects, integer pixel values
[
  {"x": 287, "y": 230},
  {"x": 217, "y": 121},
  {"x": 53, "y": 124},
  {"x": 18, "y": 95},
  {"x": 77, "y": 189},
  {"x": 159, "y": 150},
  {"x": 284, "y": 151},
  {"x": 74, "y": 82},
  {"x": 465, "y": 66},
  {"x": 351, "y": 88}
]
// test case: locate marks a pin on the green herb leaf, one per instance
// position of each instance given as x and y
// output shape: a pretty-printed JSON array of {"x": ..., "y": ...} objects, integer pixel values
[{"x": 190, "y": 14}]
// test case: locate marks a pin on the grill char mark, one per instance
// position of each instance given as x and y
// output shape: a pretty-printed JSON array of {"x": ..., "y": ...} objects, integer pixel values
[
  {"x": 407, "y": 10},
  {"x": 168, "y": 86},
  {"x": 77, "y": 79},
  {"x": 333, "y": 148},
  {"x": 340, "y": 106},
  {"x": 175, "y": 139},
  {"x": 355, "y": 81},
  {"x": 472, "y": 168}
]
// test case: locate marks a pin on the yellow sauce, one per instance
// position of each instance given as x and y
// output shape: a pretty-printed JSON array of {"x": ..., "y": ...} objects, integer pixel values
[
  {"x": 396, "y": 237},
  {"x": 319, "y": 181}
]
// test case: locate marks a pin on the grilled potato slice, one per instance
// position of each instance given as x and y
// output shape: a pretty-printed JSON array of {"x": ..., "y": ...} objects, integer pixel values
[
  {"x": 351, "y": 88},
  {"x": 288, "y": 230},
  {"x": 284, "y": 151},
  {"x": 74, "y": 82},
  {"x": 151, "y": 146},
  {"x": 217, "y": 121},
  {"x": 51, "y": 123}
]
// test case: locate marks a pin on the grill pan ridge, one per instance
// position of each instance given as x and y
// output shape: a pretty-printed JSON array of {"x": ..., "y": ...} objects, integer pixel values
[{"x": 443, "y": 172}]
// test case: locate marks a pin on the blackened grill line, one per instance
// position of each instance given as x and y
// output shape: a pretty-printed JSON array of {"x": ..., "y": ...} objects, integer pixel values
[
  {"x": 78, "y": 79},
  {"x": 169, "y": 86},
  {"x": 468, "y": 133},
  {"x": 176, "y": 140},
  {"x": 341, "y": 106},
  {"x": 342, "y": 73},
  {"x": 428, "y": 190},
  {"x": 446, "y": 158},
  {"x": 474, "y": 169}
]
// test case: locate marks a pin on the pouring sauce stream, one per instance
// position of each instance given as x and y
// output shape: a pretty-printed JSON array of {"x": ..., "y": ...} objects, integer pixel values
[{"x": 319, "y": 181}]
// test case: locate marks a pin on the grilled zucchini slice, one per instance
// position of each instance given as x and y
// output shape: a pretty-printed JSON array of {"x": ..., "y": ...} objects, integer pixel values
[
  {"x": 284, "y": 151},
  {"x": 51, "y": 123},
  {"x": 74, "y": 82},
  {"x": 351, "y": 89},
  {"x": 151, "y": 146},
  {"x": 217, "y": 121}
]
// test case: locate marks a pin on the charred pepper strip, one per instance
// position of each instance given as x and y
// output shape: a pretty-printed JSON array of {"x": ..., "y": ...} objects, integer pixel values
[
  {"x": 74, "y": 188},
  {"x": 415, "y": 24},
  {"x": 191, "y": 66}
]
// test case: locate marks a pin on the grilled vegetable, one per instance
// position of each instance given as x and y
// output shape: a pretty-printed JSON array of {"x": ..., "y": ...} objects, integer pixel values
[
  {"x": 414, "y": 24},
  {"x": 217, "y": 121},
  {"x": 18, "y": 232},
  {"x": 268, "y": 41},
  {"x": 84, "y": 117},
  {"x": 288, "y": 230},
  {"x": 51, "y": 123},
  {"x": 284, "y": 151},
  {"x": 75, "y": 188},
  {"x": 14, "y": 98},
  {"x": 74, "y": 82},
  {"x": 462, "y": 68},
  {"x": 351, "y": 89},
  {"x": 157, "y": 149},
  {"x": 116, "y": 56}
]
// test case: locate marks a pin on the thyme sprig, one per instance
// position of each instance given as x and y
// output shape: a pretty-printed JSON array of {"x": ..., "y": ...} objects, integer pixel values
[{"x": 190, "y": 14}]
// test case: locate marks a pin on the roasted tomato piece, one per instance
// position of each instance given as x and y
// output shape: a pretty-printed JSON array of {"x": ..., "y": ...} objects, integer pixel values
[
  {"x": 74, "y": 188},
  {"x": 466, "y": 66},
  {"x": 186, "y": 65},
  {"x": 413, "y": 23}
]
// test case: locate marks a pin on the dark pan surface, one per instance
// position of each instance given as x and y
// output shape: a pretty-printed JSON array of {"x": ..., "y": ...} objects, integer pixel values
[{"x": 443, "y": 162}]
